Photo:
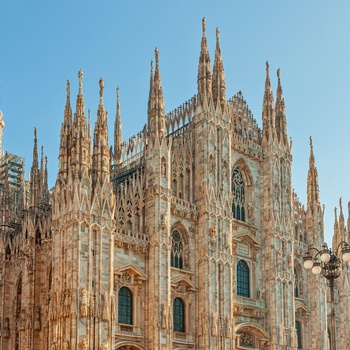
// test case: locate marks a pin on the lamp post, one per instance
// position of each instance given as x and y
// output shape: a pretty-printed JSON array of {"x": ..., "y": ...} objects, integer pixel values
[{"x": 327, "y": 261}]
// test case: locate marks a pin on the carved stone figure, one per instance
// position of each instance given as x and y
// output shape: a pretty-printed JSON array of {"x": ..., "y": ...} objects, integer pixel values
[
  {"x": 228, "y": 327},
  {"x": 66, "y": 345},
  {"x": 113, "y": 308},
  {"x": 83, "y": 303},
  {"x": 84, "y": 344},
  {"x": 214, "y": 325},
  {"x": 163, "y": 319},
  {"x": 105, "y": 307}
]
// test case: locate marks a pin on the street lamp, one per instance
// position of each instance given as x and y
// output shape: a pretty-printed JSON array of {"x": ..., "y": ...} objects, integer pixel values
[{"x": 326, "y": 261}]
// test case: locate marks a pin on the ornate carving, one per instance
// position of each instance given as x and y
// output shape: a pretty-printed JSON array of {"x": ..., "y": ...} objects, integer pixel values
[
  {"x": 83, "y": 303},
  {"x": 246, "y": 339}
]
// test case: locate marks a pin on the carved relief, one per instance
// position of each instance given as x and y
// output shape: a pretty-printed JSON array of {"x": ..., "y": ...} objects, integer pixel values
[
  {"x": 246, "y": 339},
  {"x": 212, "y": 235}
]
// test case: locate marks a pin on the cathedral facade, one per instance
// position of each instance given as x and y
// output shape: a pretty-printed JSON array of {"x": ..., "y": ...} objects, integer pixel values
[{"x": 188, "y": 235}]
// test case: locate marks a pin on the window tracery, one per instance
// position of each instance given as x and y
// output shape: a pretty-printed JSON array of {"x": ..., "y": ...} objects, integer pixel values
[
  {"x": 238, "y": 191},
  {"x": 177, "y": 250}
]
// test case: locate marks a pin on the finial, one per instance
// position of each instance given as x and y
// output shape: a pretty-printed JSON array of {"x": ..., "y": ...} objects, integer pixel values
[
  {"x": 311, "y": 142},
  {"x": 217, "y": 33},
  {"x": 117, "y": 89},
  {"x": 278, "y": 74},
  {"x": 80, "y": 75},
  {"x": 340, "y": 204},
  {"x": 203, "y": 25},
  {"x": 35, "y": 135},
  {"x": 68, "y": 89},
  {"x": 102, "y": 85},
  {"x": 267, "y": 67}
]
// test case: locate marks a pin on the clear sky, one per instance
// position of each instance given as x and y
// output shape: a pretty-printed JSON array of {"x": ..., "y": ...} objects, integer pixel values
[{"x": 43, "y": 43}]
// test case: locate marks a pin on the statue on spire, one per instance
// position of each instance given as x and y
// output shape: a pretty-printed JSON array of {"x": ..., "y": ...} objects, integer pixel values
[
  {"x": 80, "y": 76},
  {"x": 267, "y": 67},
  {"x": 35, "y": 135},
  {"x": 68, "y": 88},
  {"x": 102, "y": 85},
  {"x": 203, "y": 25},
  {"x": 278, "y": 74}
]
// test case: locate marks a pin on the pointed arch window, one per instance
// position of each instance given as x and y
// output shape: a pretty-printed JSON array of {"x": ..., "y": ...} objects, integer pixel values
[
  {"x": 238, "y": 191},
  {"x": 176, "y": 250},
  {"x": 243, "y": 279},
  {"x": 178, "y": 315},
  {"x": 125, "y": 306},
  {"x": 296, "y": 283},
  {"x": 298, "y": 330}
]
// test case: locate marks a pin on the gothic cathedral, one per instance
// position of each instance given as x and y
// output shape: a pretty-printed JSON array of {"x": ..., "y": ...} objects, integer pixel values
[{"x": 188, "y": 235}]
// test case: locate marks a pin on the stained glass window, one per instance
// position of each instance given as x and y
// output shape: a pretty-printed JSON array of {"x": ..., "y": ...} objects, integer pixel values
[
  {"x": 178, "y": 315},
  {"x": 124, "y": 306},
  {"x": 238, "y": 195},
  {"x": 243, "y": 279},
  {"x": 176, "y": 250}
]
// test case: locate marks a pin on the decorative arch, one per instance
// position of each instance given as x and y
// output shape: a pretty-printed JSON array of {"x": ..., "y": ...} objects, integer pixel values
[
  {"x": 250, "y": 335},
  {"x": 242, "y": 185},
  {"x": 129, "y": 346},
  {"x": 298, "y": 279}
]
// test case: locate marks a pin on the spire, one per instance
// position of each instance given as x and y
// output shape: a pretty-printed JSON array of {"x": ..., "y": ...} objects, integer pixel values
[
  {"x": 80, "y": 104},
  {"x": 313, "y": 201},
  {"x": 281, "y": 112},
  {"x": 118, "y": 137},
  {"x": 341, "y": 215},
  {"x": 65, "y": 137},
  {"x": 80, "y": 159},
  {"x": 219, "y": 81},
  {"x": 268, "y": 111},
  {"x": 34, "y": 174},
  {"x": 42, "y": 168},
  {"x": 156, "y": 106},
  {"x": 100, "y": 156},
  {"x": 204, "y": 71},
  {"x": 2, "y": 125}
]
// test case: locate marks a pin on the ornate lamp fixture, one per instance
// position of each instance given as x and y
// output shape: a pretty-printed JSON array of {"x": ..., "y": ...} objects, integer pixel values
[{"x": 327, "y": 261}]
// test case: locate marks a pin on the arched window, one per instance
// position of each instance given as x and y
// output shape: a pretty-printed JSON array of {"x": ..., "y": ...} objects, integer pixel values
[
  {"x": 296, "y": 283},
  {"x": 243, "y": 279},
  {"x": 298, "y": 329},
  {"x": 176, "y": 250},
  {"x": 178, "y": 315},
  {"x": 124, "y": 306},
  {"x": 237, "y": 188}
]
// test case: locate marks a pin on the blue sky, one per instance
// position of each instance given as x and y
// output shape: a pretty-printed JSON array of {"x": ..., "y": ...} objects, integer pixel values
[{"x": 43, "y": 43}]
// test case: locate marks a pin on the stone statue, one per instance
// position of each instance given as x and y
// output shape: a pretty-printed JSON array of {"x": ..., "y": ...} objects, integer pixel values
[
  {"x": 83, "y": 303},
  {"x": 163, "y": 316},
  {"x": 113, "y": 308},
  {"x": 228, "y": 327},
  {"x": 66, "y": 345},
  {"x": 105, "y": 308},
  {"x": 84, "y": 344},
  {"x": 214, "y": 325}
]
